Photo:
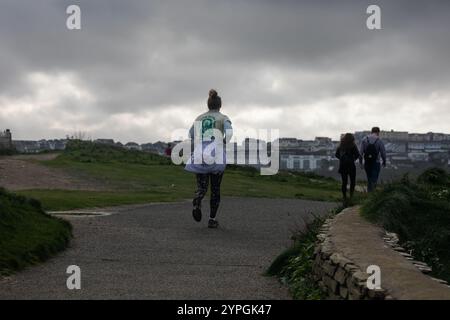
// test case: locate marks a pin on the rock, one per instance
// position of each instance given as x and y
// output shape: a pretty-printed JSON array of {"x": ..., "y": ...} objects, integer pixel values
[
  {"x": 318, "y": 260},
  {"x": 424, "y": 269},
  {"x": 322, "y": 286},
  {"x": 359, "y": 276},
  {"x": 350, "y": 267},
  {"x": 420, "y": 263},
  {"x": 321, "y": 236},
  {"x": 343, "y": 292},
  {"x": 377, "y": 294},
  {"x": 334, "y": 258},
  {"x": 326, "y": 252},
  {"x": 317, "y": 249},
  {"x": 439, "y": 280},
  {"x": 355, "y": 294},
  {"x": 332, "y": 296},
  {"x": 405, "y": 254},
  {"x": 332, "y": 285},
  {"x": 339, "y": 259},
  {"x": 340, "y": 275},
  {"x": 344, "y": 262},
  {"x": 329, "y": 268}
]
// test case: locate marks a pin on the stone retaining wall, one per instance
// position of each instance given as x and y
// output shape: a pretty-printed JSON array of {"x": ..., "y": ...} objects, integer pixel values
[
  {"x": 338, "y": 275},
  {"x": 348, "y": 245}
]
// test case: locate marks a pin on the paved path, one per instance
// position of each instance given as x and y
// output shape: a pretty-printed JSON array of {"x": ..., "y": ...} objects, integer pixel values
[{"x": 159, "y": 252}]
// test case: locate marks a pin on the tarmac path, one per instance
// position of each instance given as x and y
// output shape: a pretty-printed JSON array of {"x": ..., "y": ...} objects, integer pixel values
[{"x": 158, "y": 251}]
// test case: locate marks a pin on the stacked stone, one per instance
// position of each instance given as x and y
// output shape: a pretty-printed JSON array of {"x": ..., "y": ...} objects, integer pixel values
[
  {"x": 339, "y": 277},
  {"x": 392, "y": 240}
]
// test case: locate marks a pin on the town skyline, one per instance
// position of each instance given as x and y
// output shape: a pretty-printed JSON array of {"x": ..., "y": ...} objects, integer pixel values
[{"x": 87, "y": 136}]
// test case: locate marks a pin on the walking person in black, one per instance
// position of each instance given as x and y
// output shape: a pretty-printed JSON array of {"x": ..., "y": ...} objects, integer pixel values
[
  {"x": 373, "y": 150},
  {"x": 347, "y": 153}
]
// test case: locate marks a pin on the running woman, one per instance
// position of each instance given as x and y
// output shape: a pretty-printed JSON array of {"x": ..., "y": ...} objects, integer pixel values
[{"x": 206, "y": 168}]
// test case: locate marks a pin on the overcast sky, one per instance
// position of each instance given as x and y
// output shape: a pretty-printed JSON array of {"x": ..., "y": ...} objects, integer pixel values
[{"x": 137, "y": 70}]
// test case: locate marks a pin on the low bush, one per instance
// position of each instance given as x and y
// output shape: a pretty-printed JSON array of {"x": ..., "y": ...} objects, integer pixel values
[
  {"x": 91, "y": 152},
  {"x": 419, "y": 212}
]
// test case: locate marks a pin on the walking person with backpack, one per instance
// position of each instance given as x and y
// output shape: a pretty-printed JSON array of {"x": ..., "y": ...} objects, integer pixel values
[
  {"x": 347, "y": 153},
  {"x": 203, "y": 161},
  {"x": 374, "y": 154}
]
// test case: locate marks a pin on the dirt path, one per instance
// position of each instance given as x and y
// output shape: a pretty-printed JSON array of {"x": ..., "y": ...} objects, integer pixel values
[
  {"x": 25, "y": 172},
  {"x": 159, "y": 252}
]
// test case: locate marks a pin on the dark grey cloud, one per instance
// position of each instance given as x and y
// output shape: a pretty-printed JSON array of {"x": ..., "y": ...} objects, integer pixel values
[{"x": 139, "y": 69}]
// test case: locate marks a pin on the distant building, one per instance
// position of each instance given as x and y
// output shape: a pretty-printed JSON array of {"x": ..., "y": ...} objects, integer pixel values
[
  {"x": 288, "y": 143},
  {"x": 6, "y": 140},
  {"x": 391, "y": 135},
  {"x": 394, "y": 135},
  {"x": 441, "y": 137},
  {"x": 109, "y": 142},
  {"x": 148, "y": 147},
  {"x": 323, "y": 140},
  {"x": 157, "y": 147},
  {"x": 28, "y": 146},
  {"x": 419, "y": 137},
  {"x": 418, "y": 156},
  {"x": 396, "y": 147},
  {"x": 59, "y": 144},
  {"x": 439, "y": 158},
  {"x": 304, "y": 162},
  {"x": 133, "y": 146}
]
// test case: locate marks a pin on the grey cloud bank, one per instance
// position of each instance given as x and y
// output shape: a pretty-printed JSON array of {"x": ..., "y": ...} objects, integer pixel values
[{"x": 139, "y": 69}]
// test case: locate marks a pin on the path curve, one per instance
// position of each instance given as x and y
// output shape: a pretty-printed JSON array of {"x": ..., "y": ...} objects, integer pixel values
[{"x": 159, "y": 252}]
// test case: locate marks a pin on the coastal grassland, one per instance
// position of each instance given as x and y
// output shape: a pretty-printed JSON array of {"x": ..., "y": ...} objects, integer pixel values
[{"x": 137, "y": 177}]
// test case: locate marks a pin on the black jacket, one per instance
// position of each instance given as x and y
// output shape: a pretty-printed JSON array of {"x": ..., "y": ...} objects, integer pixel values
[{"x": 354, "y": 155}]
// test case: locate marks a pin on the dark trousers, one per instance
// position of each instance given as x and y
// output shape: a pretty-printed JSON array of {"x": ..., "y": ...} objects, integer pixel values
[
  {"x": 345, "y": 174},
  {"x": 202, "y": 187},
  {"x": 372, "y": 172}
]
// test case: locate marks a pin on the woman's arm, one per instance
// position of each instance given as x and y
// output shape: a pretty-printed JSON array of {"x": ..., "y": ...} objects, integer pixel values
[
  {"x": 228, "y": 130},
  {"x": 358, "y": 155},
  {"x": 338, "y": 153}
]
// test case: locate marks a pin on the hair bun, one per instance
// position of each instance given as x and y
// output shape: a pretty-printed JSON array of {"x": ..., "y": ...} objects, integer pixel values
[{"x": 212, "y": 93}]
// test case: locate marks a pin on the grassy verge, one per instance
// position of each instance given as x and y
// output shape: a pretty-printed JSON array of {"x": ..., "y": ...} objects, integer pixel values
[
  {"x": 68, "y": 199},
  {"x": 137, "y": 177},
  {"x": 419, "y": 212},
  {"x": 27, "y": 234},
  {"x": 294, "y": 266}
]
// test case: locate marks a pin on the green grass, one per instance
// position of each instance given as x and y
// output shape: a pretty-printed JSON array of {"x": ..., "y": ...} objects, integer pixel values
[
  {"x": 27, "y": 234},
  {"x": 294, "y": 266},
  {"x": 7, "y": 152},
  {"x": 419, "y": 212},
  {"x": 90, "y": 152},
  {"x": 68, "y": 200},
  {"x": 137, "y": 177}
]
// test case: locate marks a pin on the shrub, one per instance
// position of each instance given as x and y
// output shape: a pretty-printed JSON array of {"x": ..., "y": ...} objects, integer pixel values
[
  {"x": 90, "y": 152},
  {"x": 419, "y": 212},
  {"x": 435, "y": 177}
]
